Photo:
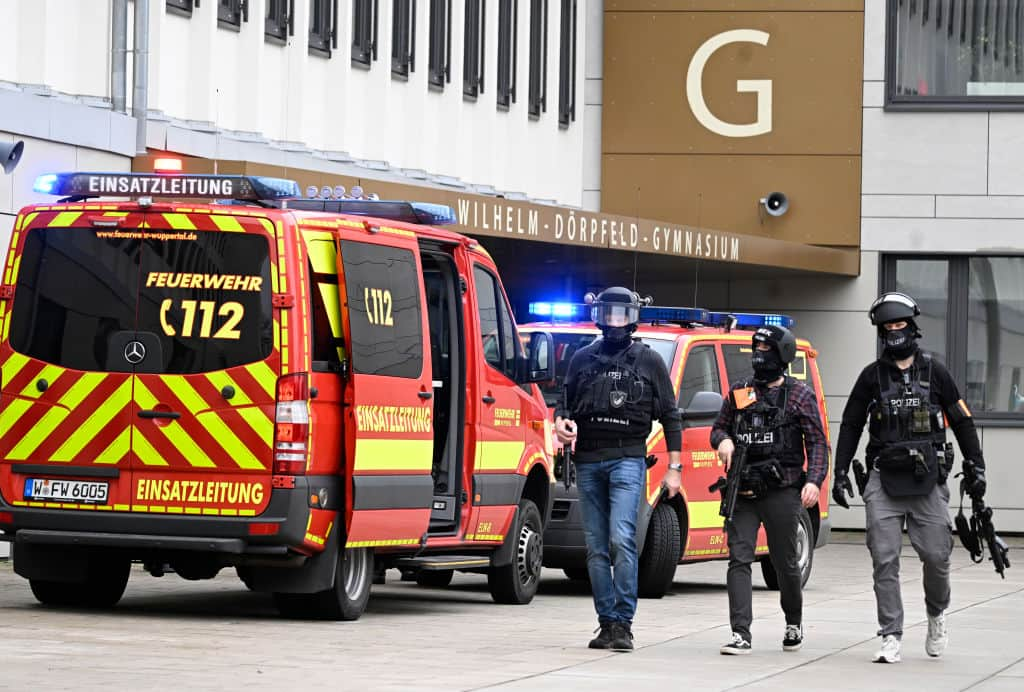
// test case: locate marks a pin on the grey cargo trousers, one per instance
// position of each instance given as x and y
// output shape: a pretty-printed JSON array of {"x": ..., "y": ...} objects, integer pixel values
[{"x": 931, "y": 534}]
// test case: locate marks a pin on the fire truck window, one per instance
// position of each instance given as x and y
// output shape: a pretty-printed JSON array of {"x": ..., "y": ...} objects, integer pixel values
[
  {"x": 385, "y": 309},
  {"x": 737, "y": 362},
  {"x": 700, "y": 374},
  {"x": 496, "y": 327},
  {"x": 207, "y": 296},
  {"x": 74, "y": 290}
]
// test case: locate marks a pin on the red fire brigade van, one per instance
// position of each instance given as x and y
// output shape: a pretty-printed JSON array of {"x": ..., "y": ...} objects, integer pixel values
[
  {"x": 705, "y": 352},
  {"x": 295, "y": 388}
]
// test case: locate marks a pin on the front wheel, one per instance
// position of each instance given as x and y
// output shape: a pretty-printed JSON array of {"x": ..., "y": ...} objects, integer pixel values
[
  {"x": 804, "y": 553},
  {"x": 103, "y": 587},
  {"x": 661, "y": 553},
  {"x": 345, "y": 600},
  {"x": 517, "y": 583}
]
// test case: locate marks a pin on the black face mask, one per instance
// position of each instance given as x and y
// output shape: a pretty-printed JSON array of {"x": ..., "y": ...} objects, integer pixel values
[
  {"x": 768, "y": 367},
  {"x": 900, "y": 343},
  {"x": 617, "y": 337}
]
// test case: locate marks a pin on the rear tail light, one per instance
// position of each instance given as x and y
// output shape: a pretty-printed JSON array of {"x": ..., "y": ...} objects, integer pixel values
[
  {"x": 291, "y": 424},
  {"x": 6, "y": 518}
]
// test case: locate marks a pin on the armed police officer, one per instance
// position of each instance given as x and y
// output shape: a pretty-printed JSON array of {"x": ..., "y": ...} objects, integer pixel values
[
  {"x": 774, "y": 421},
  {"x": 614, "y": 388},
  {"x": 906, "y": 396}
]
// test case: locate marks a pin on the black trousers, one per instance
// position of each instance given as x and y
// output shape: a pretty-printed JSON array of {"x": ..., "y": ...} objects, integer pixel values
[{"x": 779, "y": 510}]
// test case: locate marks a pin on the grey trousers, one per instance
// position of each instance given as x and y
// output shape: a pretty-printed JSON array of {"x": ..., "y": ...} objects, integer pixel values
[
  {"x": 780, "y": 511},
  {"x": 931, "y": 534}
]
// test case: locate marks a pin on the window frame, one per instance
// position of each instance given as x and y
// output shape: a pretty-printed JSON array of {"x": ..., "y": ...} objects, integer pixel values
[
  {"x": 567, "y": 64},
  {"x": 231, "y": 14},
  {"x": 403, "y": 38},
  {"x": 182, "y": 8},
  {"x": 502, "y": 307},
  {"x": 699, "y": 347},
  {"x": 956, "y": 338},
  {"x": 280, "y": 24},
  {"x": 508, "y": 49},
  {"x": 439, "y": 47},
  {"x": 364, "y": 32},
  {"x": 538, "y": 86},
  {"x": 474, "y": 48},
  {"x": 902, "y": 102},
  {"x": 323, "y": 40}
]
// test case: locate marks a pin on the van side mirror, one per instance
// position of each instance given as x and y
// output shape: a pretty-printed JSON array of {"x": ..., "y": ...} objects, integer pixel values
[
  {"x": 703, "y": 409},
  {"x": 539, "y": 363}
]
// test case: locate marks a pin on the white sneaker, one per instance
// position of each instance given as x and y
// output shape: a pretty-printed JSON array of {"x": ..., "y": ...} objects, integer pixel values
[
  {"x": 938, "y": 635},
  {"x": 890, "y": 651},
  {"x": 737, "y": 646}
]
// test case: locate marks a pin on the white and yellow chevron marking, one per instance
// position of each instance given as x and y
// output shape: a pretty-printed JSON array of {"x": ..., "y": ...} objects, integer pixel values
[
  {"x": 227, "y": 223},
  {"x": 99, "y": 419},
  {"x": 174, "y": 432}
]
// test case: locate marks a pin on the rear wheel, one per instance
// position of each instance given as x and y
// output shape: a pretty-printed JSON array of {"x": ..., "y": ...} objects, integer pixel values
[
  {"x": 661, "y": 553},
  {"x": 804, "y": 553},
  {"x": 435, "y": 578},
  {"x": 517, "y": 583},
  {"x": 103, "y": 587},
  {"x": 345, "y": 600}
]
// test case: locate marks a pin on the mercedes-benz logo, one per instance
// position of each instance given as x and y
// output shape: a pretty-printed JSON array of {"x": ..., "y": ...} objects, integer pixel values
[{"x": 134, "y": 352}]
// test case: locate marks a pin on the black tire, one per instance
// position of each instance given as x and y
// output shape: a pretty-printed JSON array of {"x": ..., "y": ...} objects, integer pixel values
[
  {"x": 577, "y": 573},
  {"x": 106, "y": 579},
  {"x": 805, "y": 555},
  {"x": 661, "y": 553},
  {"x": 345, "y": 600},
  {"x": 435, "y": 578},
  {"x": 516, "y": 584}
]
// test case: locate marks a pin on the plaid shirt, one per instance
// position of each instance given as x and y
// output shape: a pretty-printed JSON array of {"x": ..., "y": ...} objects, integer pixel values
[{"x": 804, "y": 406}]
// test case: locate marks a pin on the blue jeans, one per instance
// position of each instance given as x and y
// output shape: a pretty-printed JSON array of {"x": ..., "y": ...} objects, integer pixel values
[{"x": 609, "y": 494}]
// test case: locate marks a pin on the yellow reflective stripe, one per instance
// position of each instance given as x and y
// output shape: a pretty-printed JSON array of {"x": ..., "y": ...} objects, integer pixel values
[
  {"x": 229, "y": 442},
  {"x": 116, "y": 449},
  {"x": 499, "y": 456},
  {"x": 397, "y": 231},
  {"x": 277, "y": 338},
  {"x": 174, "y": 432},
  {"x": 12, "y": 366},
  {"x": 12, "y": 413},
  {"x": 267, "y": 226},
  {"x": 258, "y": 421},
  {"x": 332, "y": 305},
  {"x": 382, "y": 543},
  {"x": 114, "y": 404},
  {"x": 227, "y": 223},
  {"x": 145, "y": 451},
  {"x": 323, "y": 256},
  {"x": 262, "y": 373},
  {"x": 40, "y": 430},
  {"x": 85, "y": 385},
  {"x": 64, "y": 219},
  {"x": 179, "y": 222},
  {"x": 394, "y": 455},
  {"x": 221, "y": 379},
  {"x": 703, "y": 514},
  {"x": 50, "y": 373}
]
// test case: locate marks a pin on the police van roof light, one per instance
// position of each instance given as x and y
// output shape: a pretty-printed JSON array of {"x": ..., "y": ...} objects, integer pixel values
[
  {"x": 752, "y": 319},
  {"x": 240, "y": 187},
  {"x": 655, "y": 313},
  {"x": 555, "y": 310},
  {"x": 45, "y": 184}
]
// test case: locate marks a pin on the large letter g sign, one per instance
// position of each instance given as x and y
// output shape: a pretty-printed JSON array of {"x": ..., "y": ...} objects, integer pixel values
[{"x": 761, "y": 87}]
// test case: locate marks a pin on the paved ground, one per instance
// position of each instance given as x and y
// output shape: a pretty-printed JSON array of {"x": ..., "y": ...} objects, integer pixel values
[{"x": 171, "y": 634}]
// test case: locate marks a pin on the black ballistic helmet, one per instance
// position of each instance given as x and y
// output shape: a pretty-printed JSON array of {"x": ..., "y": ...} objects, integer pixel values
[
  {"x": 779, "y": 338},
  {"x": 615, "y": 307},
  {"x": 893, "y": 307}
]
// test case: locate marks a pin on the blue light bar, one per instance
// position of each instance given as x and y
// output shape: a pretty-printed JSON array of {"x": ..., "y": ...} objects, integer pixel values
[
  {"x": 45, "y": 183},
  {"x": 556, "y": 310},
  {"x": 656, "y": 313},
  {"x": 396, "y": 210},
  {"x": 752, "y": 319},
  {"x": 241, "y": 187}
]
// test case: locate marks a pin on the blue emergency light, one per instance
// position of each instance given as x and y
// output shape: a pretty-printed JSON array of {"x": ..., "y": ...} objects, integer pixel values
[
  {"x": 241, "y": 187},
  {"x": 657, "y": 313},
  {"x": 751, "y": 319},
  {"x": 558, "y": 310}
]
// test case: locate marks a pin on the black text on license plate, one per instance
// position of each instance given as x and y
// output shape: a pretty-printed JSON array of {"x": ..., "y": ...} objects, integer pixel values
[{"x": 57, "y": 489}]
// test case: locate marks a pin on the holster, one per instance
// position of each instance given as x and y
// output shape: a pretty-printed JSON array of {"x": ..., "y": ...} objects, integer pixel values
[{"x": 908, "y": 468}]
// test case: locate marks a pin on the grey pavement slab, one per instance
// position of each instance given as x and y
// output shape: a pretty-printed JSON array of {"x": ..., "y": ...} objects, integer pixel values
[{"x": 170, "y": 634}]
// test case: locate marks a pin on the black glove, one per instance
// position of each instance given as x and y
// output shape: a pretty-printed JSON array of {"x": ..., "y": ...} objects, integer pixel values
[
  {"x": 978, "y": 485},
  {"x": 841, "y": 488}
]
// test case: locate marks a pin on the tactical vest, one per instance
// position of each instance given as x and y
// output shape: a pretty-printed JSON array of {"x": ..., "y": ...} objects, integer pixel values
[
  {"x": 614, "y": 401},
  {"x": 769, "y": 432},
  {"x": 908, "y": 429}
]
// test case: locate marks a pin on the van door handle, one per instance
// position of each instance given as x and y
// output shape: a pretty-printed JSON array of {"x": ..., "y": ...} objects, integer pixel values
[
  {"x": 488, "y": 399},
  {"x": 426, "y": 395},
  {"x": 148, "y": 413}
]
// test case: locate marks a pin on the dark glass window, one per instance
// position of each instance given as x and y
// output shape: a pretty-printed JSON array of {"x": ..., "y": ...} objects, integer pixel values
[
  {"x": 949, "y": 53},
  {"x": 737, "y": 362},
  {"x": 231, "y": 13},
  {"x": 473, "y": 49},
  {"x": 567, "y": 64},
  {"x": 700, "y": 374},
  {"x": 181, "y": 6},
  {"x": 440, "y": 48},
  {"x": 500, "y": 343},
  {"x": 323, "y": 27},
  {"x": 280, "y": 20},
  {"x": 508, "y": 11},
  {"x": 385, "y": 309},
  {"x": 538, "y": 57},
  {"x": 403, "y": 37},
  {"x": 364, "y": 32},
  {"x": 927, "y": 280}
]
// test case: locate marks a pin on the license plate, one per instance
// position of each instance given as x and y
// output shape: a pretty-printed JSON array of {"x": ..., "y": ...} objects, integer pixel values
[{"x": 65, "y": 491}]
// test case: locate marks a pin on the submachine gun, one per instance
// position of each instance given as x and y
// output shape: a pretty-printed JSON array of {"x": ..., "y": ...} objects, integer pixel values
[
  {"x": 729, "y": 485},
  {"x": 977, "y": 533}
]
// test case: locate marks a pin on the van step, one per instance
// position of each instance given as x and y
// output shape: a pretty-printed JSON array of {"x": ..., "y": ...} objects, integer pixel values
[{"x": 435, "y": 562}]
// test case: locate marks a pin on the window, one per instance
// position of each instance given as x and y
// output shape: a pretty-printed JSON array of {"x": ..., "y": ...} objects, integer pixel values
[
  {"x": 538, "y": 57},
  {"x": 507, "y": 35},
  {"x": 364, "y": 32},
  {"x": 280, "y": 22},
  {"x": 473, "y": 49},
  {"x": 496, "y": 326},
  {"x": 231, "y": 13},
  {"x": 440, "y": 43},
  {"x": 183, "y": 7},
  {"x": 323, "y": 27},
  {"x": 700, "y": 374},
  {"x": 385, "y": 309},
  {"x": 955, "y": 54},
  {"x": 973, "y": 320},
  {"x": 403, "y": 38},
  {"x": 567, "y": 65}
]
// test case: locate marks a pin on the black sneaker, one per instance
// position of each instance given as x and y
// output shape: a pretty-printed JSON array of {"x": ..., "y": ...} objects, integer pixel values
[
  {"x": 604, "y": 639},
  {"x": 794, "y": 638},
  {"x": 622, "y": 637},
  {"x": 737, "y": 646}
]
